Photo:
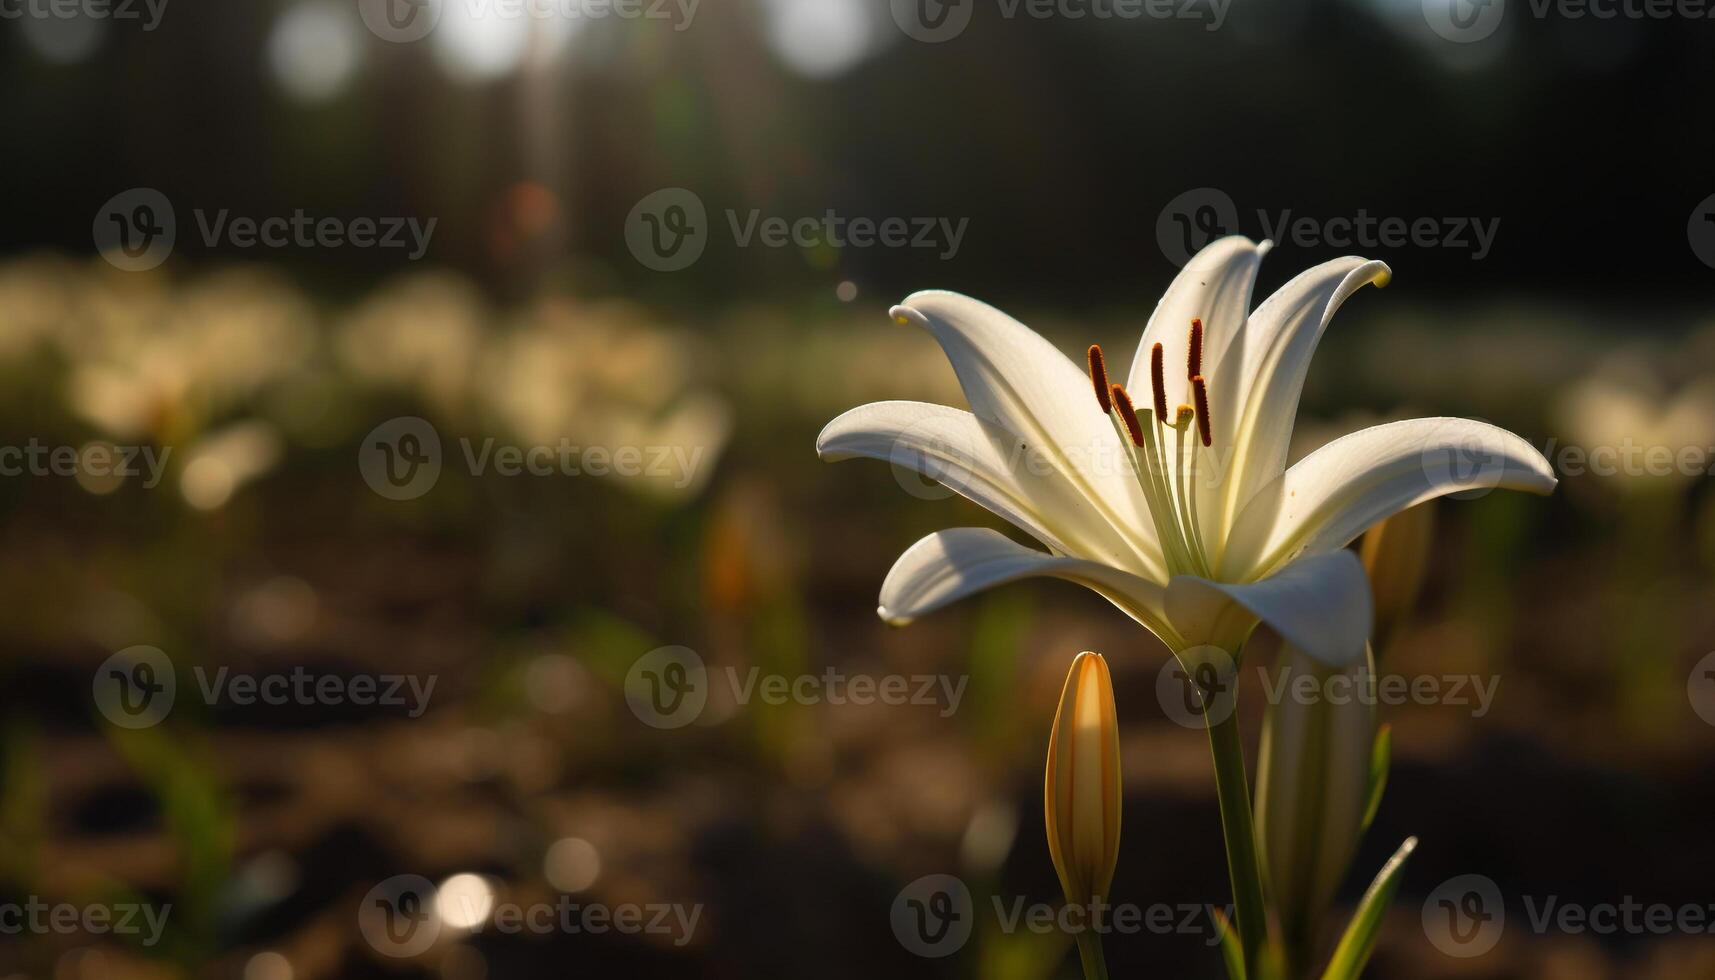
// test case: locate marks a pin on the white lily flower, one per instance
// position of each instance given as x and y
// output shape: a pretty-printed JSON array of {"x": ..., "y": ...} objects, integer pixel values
[{"x": 1183, "y": 513}]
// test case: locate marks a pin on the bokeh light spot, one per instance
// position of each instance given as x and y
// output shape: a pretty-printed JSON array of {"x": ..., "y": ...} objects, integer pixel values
[
  {"x": 820, "y": 38},
  {"x": 313, "y": 50},
  {"x": 268, "y": 966},
  {"x": 572, "y": 864},
  {"x": 464, "y": 901}
]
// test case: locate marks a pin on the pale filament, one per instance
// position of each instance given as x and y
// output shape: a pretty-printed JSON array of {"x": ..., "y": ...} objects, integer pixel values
[{"x": 1171, "y": 495}]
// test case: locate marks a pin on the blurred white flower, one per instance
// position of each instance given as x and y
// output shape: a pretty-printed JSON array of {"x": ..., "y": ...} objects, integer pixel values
[
  {"x": 36, "y": 294},
  {"x": 422, "y": 334},
  {"x": 144, "y": 362},
  {"x": 605, "y": 375},
  {"x": 218, "y": 465},
  {"x": 1628, "y": 426}
]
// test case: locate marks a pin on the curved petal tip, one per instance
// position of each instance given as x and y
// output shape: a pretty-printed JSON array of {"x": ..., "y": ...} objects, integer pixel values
[{"x": 906, "y": 316}]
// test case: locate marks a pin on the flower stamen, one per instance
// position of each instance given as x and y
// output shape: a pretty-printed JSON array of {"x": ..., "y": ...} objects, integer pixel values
[
  {"x": 1194, "y": 358},
  {"x": 1099, "y": 378},
  {"x": 1128, "y": 414},
  {"x": 1167, "y": 484},
  {"x": 1157, "y": 378},
  {"x": 1200, "y": 392}
]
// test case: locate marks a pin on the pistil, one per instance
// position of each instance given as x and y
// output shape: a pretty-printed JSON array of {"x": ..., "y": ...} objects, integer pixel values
[{"x": 1185, "y": 466}]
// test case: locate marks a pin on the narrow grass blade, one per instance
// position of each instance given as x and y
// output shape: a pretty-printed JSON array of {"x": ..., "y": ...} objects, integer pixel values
[
  {"x": 1231, "y": 951},
  {"x": 1381, "y": 756},
  {"x": 1360, "y": 937}
]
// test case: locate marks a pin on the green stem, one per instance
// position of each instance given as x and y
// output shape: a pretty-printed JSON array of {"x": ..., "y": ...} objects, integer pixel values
[
  {"x": 1090, "y": 952},
  {"x": 1234, "y": 794}
]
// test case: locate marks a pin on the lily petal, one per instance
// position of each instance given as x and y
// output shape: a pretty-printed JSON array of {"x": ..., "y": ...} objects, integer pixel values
[
  {"x": 1339, "y": 491},
  {"x": 948, "y": 565},
  {"x": 1266, "y": 368},
  {"x": 1016, "y": 379},
  {"x": 1214, "y": 286},
  {"x": 1320, "y": 604},
  {"x": 986, "y": 464}
]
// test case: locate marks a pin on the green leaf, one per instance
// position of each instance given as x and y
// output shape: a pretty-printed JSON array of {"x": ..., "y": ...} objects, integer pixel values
[
  {"x": 1381, "y": 756},
  {"x": 1360, "y": 937},
  {"x": 1231, "y": 951}
]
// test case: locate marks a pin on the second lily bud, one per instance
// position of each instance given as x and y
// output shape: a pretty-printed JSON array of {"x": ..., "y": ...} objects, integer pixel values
[
  {"x": 1313, "y": 787},
  {"x": 1081, "y": 791}
]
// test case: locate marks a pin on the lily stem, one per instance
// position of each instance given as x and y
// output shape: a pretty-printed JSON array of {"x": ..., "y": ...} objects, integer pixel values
[
  {"x": 1090, "y": 952},
  {"x": 1234, "y": 793}
]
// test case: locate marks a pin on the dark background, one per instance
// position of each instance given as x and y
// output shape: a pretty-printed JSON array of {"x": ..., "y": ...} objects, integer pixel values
[{"x": 529, "y": 598}]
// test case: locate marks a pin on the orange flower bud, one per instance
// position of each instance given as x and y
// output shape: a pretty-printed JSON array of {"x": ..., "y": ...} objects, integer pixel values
[{"x": 1081, "y": 791}]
